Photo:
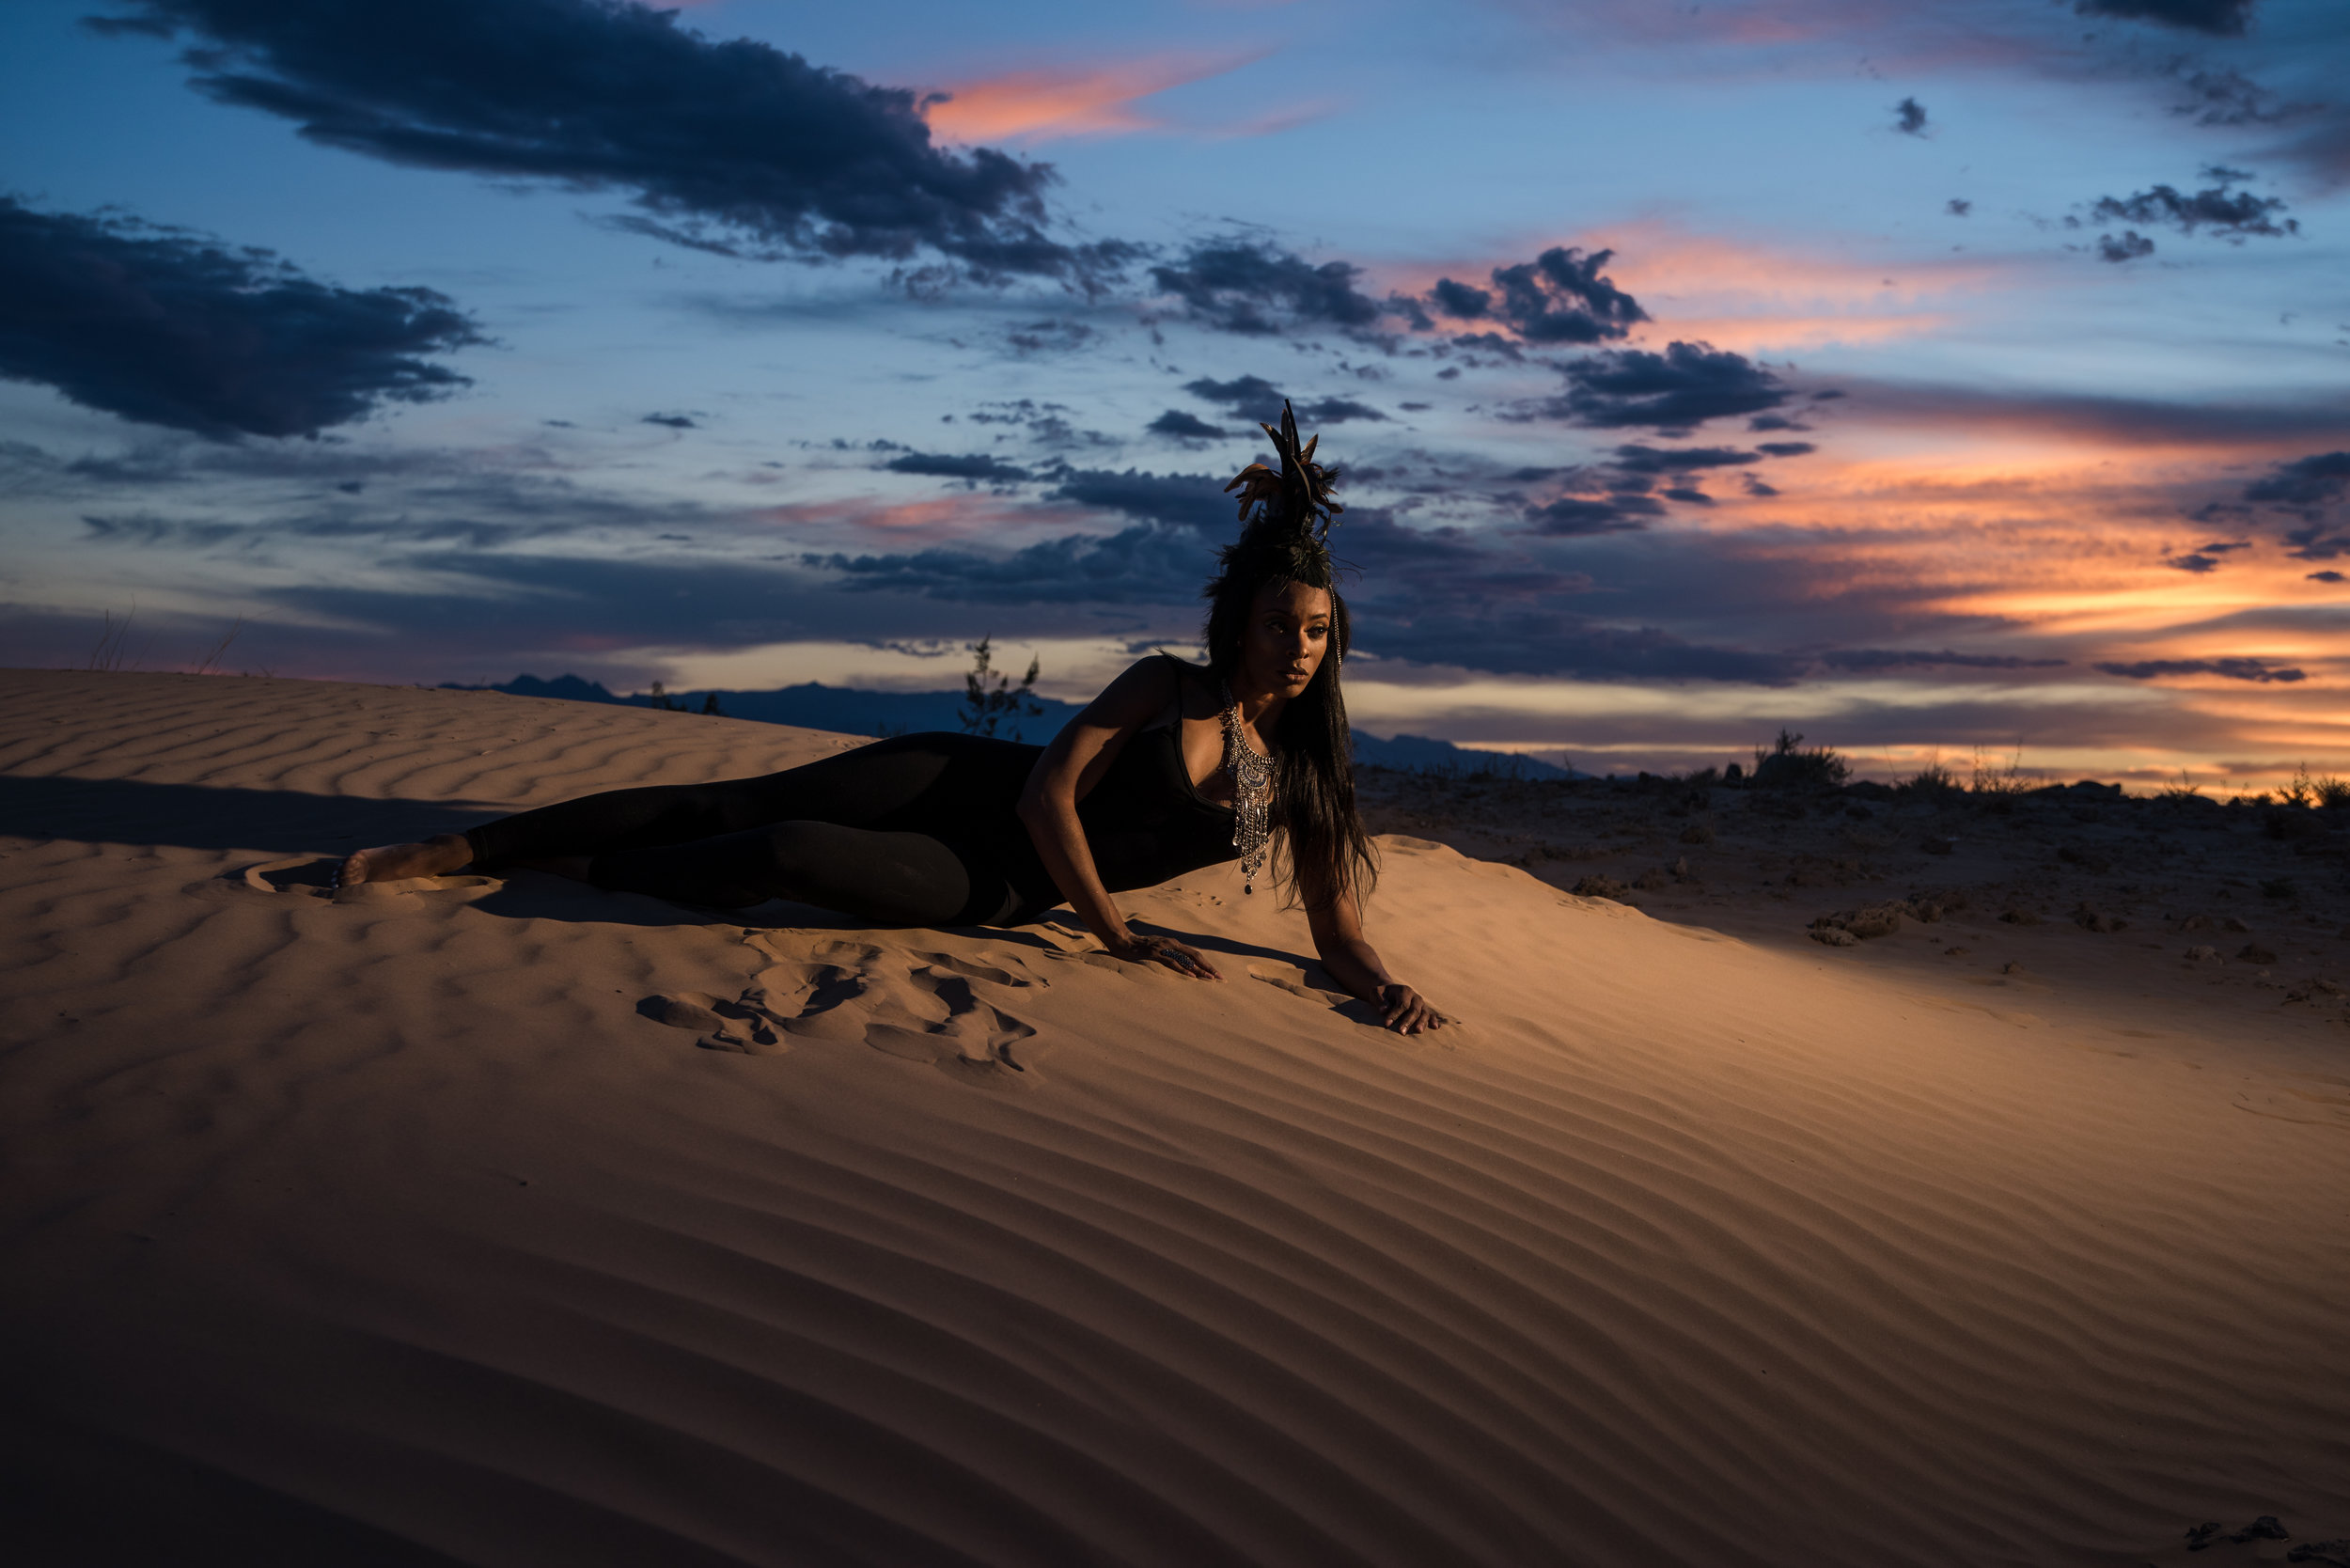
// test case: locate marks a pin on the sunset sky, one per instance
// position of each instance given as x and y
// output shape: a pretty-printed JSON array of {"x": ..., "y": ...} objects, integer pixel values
[{"x": 1923, "y": 375}]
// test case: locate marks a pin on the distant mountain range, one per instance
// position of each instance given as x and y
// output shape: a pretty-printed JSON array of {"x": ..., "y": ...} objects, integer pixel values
[{"x": 847, "y": 711}]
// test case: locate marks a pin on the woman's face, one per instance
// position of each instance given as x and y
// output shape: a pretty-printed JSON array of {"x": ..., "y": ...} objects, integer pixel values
[{"x": 1283, "y": 641}]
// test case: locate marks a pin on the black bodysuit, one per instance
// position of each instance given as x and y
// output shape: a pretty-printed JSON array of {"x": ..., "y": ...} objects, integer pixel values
[{"x": 920, "y": 830}]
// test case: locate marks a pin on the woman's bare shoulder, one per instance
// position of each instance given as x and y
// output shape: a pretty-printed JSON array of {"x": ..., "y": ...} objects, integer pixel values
[
  {"x": 1193, "y": 685},
  {"x": 1140, "y": 694}
]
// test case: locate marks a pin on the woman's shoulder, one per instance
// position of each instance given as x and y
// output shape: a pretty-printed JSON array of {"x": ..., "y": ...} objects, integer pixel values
[
  {"x": 1194, "y": 686},
  {"x": 1145, "y": 691}
]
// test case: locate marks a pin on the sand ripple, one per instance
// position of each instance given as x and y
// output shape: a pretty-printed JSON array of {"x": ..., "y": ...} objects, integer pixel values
[{"x": 514, "y": 1223}]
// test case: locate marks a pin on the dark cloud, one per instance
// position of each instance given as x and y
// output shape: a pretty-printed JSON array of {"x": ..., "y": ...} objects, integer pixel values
[
  {"x": 1670, "y": 392},
  {"x": 1488, "y": 342},
  {"x": 1558, "y": 297},
  {"x": 1574, "y": 517},
  {"x": 1787, "y": 449},
  {"x": 1047, "y": 424},
  {"x": 1185, "y": 426},
  {"x": 1147, "y": 564},
  {"x": 975, "y": 466},
  {"x": 2228, "y": 98},
  {"x": 1194, "y": 501},
  {"x": 2314, "y": 544},
  {"x": 1336, "y": 411},
  {"x": 2109, "y": 417},
  {"x": 293, "y": 495},
  {"x": 1957, "y": 208},
  {"x": 1460, "y": 300},
  {"x": 1251, "y": 286},
  {"x": 2306, "y": 488},
  {"x": 1776, "y": 422},
  {"x": 1541, "y": 641},
  {"x": 2129, "y": 247},
  {"x": 1909, "y": 117},
  {"x": 2235, "y": 669},
  {"x": 2328, "y": 578},
  {"x": 1250, "y": 397},
  {"x": 1052, "y": 335},
  {"x": 2206, "y": 556},
  {"x": 2321, "y": 146},
  {"x": 675, "y": 421},
  {"x": 144, "y": 531},
  {"x": 2225, "y": 212},
  {"x": 1621, "y": 495},
  {"x": 1440, "y": 596},
  {"x": 1906, "y": 658},
  {"x": 1636, "y": 459},
  {"x": 2221, "y": 18},
  {"x": 737, "y": 148},
  {"x": 2315, "y": 480},
  {"x": 531, "y": 602},
  {"x": 1256, "y": 399},
  {"x": 169, "y": 328}
]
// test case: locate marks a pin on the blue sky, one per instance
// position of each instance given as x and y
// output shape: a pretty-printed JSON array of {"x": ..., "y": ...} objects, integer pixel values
[{"x": 1924, "y": 377}]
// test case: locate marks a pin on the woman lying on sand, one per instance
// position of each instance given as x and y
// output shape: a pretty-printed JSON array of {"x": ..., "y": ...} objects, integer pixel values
[{"x": 1171, "y": 768}]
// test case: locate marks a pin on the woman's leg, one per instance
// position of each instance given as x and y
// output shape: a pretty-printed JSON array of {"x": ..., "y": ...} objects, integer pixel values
[
  {"x": 904, "y": 879},
  {"x": 938, "y": 782},
  {"x": 864, "y": 788}
]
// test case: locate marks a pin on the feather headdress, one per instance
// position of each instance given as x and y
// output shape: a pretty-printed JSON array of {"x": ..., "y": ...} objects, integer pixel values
[{"x": 1297, "y": 497}]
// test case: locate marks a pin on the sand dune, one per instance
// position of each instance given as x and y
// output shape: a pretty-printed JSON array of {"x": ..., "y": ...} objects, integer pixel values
[{"x": 509, "y": 1222}]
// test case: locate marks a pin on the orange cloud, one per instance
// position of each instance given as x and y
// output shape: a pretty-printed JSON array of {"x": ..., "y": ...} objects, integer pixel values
[{"x": 1086, "y": 100}]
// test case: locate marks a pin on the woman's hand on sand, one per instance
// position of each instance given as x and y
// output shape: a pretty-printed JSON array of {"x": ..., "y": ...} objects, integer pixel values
[
  {"x": 1406, "y": 1012},
  {"x": 1182, "y": 959}
]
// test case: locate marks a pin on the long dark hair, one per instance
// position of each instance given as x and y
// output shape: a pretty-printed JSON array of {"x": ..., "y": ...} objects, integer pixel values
[{"x": 1322, "y": 850}]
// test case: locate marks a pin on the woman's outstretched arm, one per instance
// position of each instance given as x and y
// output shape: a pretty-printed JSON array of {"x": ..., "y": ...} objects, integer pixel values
[
  {"x": 1065, "y": 774},
  {"x": 1354, "y": 963}
]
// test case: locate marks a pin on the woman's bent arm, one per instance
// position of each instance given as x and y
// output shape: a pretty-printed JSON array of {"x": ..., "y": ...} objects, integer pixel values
[
  {"x": 1067, "y": 772},
  {"x": 1354, "y": 963}
]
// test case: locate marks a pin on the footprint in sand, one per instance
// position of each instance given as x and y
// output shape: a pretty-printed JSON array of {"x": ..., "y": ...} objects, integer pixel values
[
  {"x": 722, "y": 1026},
  {"x": 916, "y": 1005}
]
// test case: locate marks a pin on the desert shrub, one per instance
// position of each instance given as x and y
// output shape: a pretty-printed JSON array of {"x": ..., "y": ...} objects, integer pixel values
[
  {"x": 2181, "y": 790},
  {"x": 1933, "y": 782},
  {"x": 1789, "y": 764},
  {"x": 990, "y": 699},
  {"x": 1998, "y": 778},
  {"x": 113, "y": 641},
  {"x": 2321, "y": 792}
]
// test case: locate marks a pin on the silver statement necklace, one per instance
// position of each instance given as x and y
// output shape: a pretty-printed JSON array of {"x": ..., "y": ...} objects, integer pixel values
[{"x": 1252, "y": 772}]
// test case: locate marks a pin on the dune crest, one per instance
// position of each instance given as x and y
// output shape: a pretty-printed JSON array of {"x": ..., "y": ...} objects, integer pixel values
[{"x": 506, "y": 1221}]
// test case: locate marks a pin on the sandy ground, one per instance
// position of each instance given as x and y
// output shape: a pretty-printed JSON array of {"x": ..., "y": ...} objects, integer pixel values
[
  {"x": 515, "y": 1223},
  {"x": 2175, "y": 915}
]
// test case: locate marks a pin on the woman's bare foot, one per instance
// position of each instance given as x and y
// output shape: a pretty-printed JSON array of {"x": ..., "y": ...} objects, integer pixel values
[{"x": 438, "y": 855}]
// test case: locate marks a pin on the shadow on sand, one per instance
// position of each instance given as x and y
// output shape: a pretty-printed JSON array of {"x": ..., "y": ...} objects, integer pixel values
[{"x": 203, "y": 816}]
